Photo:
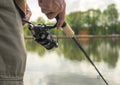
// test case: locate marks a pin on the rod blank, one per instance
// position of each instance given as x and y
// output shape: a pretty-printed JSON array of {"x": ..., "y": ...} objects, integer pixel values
[{"x": 69, "y": 32}]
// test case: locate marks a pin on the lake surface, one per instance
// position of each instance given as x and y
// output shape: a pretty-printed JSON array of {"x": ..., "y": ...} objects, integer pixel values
[{"x": 67, "y": 65}]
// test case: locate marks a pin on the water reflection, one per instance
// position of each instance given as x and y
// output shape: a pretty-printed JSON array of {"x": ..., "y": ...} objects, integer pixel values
[
  {"x": 106, "y": 50},
  {"x": 67, "y": 65}
]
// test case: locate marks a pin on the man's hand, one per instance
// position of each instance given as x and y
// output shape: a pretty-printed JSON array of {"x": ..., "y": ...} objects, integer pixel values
[
  {"x": 52, "y": 8},
  {"x": 27, "y": 14}
]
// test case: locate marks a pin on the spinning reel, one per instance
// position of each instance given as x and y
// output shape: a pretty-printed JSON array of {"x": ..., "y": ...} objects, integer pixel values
[{"x": 42, "y": 36}]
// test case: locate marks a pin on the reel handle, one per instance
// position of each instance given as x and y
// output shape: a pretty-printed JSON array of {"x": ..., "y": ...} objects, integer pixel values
[{"x": 67, "y": 29}]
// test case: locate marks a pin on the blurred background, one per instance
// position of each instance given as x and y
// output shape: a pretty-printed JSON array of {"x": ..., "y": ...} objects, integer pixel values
[{"x": 66, "y": 65}]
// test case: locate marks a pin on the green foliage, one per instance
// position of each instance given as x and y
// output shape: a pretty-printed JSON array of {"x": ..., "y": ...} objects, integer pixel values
[
  {"x": 26, "y": 30},
  {"x": 95, "y": 21},
  {"x": 77, "y": 21},
  {"x": 111, "y": 15}
]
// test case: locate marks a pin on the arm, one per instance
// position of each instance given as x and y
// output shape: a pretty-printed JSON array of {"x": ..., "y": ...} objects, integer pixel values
[{"x": 52, "y": 8}]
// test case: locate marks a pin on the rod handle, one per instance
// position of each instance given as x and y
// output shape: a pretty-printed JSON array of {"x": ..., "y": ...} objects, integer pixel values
[{"x": 68, "y": 30}]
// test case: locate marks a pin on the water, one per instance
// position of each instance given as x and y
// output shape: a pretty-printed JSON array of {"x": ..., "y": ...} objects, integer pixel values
[{"x": 67, "y": 65}]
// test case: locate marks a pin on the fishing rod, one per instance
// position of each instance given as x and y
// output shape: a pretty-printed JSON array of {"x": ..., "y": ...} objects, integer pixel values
[
  {"x": 69, "y": 32},
  {"x": 44, "y": 38}
]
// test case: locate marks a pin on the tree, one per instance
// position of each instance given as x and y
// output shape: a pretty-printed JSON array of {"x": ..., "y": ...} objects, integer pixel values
[
  {"x": 74, "y": 19},
  {"x": 111, "y": 15},
  {"x": 87, "y": 20},
  {"x": 94, "y": 20}
]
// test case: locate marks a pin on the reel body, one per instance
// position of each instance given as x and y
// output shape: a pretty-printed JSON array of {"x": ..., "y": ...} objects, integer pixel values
[{"x": 42, "y": 36}]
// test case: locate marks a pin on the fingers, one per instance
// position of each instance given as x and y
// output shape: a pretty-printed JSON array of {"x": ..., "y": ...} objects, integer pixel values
[
  {"x": 27, "y": 17},
  {"x": 51, "y": 15},
  {"x": 61, "y": 19},
  {"x": 28, "y": 13}
]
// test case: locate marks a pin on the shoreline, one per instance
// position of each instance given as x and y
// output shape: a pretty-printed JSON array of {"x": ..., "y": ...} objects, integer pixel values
[{"x": 81, "y": 36}]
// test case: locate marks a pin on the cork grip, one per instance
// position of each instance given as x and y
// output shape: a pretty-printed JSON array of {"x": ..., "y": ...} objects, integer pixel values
[{"x": 68, "y": 30}]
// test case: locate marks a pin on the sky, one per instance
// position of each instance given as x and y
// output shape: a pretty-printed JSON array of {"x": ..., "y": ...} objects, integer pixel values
[{"x": 73, "y": 5}]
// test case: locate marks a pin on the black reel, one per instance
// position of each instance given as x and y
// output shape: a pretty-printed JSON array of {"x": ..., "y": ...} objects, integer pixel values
[{"x": 42, "y": 36}]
